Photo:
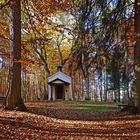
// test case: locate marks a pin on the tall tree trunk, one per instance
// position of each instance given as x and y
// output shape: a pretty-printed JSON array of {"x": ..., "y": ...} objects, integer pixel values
[
  {"x": 14, "y": 100},
  {"x": 137, "y": 53}
]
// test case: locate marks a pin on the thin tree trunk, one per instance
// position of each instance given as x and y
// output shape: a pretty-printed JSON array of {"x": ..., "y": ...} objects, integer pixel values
[
  {"x": 105, "y": 84},
  {"x": 86, "y": 93},
  {"x": 100, "y": 90}
]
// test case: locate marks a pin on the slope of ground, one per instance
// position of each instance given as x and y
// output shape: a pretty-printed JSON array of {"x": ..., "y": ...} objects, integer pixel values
[{"x": 16, "y": 125}]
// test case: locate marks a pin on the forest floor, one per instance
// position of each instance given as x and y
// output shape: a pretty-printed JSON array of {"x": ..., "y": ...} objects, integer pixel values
[{"x": 66, "y": 121}]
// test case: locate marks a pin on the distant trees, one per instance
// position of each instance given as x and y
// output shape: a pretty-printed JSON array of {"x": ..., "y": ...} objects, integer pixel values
[
  {"x": 85, "y": 37},
  {"x": 100, "y": 37}
]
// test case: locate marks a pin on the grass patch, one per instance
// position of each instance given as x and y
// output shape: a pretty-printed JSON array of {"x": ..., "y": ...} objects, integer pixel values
[
  {"x": 83, "y": 105},
  {"x": 97, "y": 108}
]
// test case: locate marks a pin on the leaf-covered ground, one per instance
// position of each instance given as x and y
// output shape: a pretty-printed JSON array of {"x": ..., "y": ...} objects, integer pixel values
[{"x": 16, "y": 125}]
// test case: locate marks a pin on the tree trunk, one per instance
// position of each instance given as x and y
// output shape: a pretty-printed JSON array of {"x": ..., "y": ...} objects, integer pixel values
[
  {"x": 14, "y": 100},
  {"x": 137, "y": 53},
  {"x": 100, "y": 89},
  {"x": 86, "y": 77},
  {"x": 86, "y": 93},
  {"x": 105, "y": 84}
]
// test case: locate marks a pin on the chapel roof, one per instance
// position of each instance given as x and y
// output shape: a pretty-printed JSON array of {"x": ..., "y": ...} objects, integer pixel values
[{"x": 59, "y": 76}]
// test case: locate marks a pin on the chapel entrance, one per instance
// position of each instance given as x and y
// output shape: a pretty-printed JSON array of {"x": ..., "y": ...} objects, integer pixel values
[{"x": 60, "y": 91}]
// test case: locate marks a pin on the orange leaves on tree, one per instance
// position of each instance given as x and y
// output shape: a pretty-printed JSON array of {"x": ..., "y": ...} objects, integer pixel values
[{"x": 24, "y": 61}]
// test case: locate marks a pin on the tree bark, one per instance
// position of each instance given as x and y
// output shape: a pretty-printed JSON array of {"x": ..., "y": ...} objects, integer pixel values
[
  {"x": 86, "y": 94},
  {"x": 14, "y": 100},
  {"x": 86, "y": 77},
  {"x": 137, "y": 54}
]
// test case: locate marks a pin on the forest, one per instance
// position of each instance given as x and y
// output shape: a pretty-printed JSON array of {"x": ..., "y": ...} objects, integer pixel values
[{"x": 95, "y": 42}]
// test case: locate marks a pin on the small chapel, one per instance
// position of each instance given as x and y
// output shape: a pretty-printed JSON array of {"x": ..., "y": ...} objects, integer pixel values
[{"x": 59, "y": 86}]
